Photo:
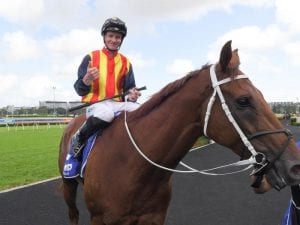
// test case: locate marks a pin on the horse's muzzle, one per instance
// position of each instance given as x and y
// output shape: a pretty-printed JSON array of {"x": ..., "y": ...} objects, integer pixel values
[{"x": 263, "y": 187}]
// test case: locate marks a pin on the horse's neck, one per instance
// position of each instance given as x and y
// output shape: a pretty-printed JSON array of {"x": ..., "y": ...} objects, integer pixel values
[{"x": 174, "y": 126}]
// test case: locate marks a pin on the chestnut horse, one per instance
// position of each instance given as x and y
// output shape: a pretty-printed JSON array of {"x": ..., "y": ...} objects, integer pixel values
[{"x": 122, "y": 188}]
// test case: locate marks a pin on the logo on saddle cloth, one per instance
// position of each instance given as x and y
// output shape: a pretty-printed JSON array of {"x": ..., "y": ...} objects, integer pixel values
[{"x": 74, "y": 167}]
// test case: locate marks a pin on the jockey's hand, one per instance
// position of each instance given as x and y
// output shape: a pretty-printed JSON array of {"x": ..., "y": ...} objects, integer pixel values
[
  {"x": 133, "y": 95},
  {"x": 91, "y": 74}
]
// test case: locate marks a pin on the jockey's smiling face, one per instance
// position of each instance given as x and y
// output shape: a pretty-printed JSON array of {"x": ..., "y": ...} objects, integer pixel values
[{"x": 113, "y": 40}]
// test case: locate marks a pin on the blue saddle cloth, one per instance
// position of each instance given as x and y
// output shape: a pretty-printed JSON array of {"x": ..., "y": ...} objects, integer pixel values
[
  {"x": 287, "y": 218},
  {"x": 74, "y": 167}
]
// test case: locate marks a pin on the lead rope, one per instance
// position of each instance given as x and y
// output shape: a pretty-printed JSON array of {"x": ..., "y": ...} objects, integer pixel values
[{"x": 190, "y": 169}]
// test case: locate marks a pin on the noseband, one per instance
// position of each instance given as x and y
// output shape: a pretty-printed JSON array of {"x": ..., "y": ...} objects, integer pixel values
[
  {"x": 261, "y": 164},
  {"x": 264, "y": 165}
]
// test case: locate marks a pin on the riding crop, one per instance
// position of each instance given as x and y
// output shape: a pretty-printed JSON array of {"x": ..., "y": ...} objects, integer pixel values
[{"x": 112, "y": 97}]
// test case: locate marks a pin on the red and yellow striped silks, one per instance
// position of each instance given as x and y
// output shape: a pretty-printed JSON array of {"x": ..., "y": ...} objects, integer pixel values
[{"x": 112, "y": 69}]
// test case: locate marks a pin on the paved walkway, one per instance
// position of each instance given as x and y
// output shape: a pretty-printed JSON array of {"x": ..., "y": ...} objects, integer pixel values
[{"x": 197, "y": 199}]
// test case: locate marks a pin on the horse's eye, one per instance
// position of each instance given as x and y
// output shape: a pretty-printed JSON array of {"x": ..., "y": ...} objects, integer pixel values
[{"x": 243, "y": 102}]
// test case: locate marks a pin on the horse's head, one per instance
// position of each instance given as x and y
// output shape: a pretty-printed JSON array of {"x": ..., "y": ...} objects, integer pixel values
[{"x": 242, "y": 120}]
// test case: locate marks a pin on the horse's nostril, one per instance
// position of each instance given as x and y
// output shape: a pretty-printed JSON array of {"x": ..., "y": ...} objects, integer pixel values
[{"x": 296, "y": 170}]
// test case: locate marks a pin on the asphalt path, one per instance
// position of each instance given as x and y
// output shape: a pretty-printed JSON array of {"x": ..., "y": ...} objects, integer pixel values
[{"x": 197, "y": 199}]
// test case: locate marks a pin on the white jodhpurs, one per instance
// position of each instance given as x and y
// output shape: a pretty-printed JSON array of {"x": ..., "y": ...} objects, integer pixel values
[{"x": 107, "y": 110}]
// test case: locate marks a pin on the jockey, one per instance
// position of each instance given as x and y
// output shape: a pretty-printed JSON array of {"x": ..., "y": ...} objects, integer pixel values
[{"x": 103, "y": 74}]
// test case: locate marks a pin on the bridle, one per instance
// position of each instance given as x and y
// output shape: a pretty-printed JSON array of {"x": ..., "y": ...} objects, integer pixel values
[
  {"x": 257, "y": 160},
  {"x": 261, "y": 169},
  {"x": 261, "y": 164}
]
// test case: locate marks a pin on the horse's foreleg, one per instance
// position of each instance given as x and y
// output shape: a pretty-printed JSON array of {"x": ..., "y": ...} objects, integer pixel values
[{"x": 70, "y": 190}]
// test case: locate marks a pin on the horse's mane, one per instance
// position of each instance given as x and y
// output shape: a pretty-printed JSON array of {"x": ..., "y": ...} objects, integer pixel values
[{"x": 164, "y": 93}]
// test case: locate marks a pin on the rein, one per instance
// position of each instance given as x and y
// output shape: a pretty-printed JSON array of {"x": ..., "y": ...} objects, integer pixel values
[
  {"x": 190, "y": 169},
  {"x": 258, "y": 160},
  {"x": 248, "y": 162}
]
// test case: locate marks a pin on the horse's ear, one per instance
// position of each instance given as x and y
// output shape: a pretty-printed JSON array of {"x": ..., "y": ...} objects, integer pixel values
[
  {"x": 235, "y": 60},
  {"x": 225, "y": 55}
]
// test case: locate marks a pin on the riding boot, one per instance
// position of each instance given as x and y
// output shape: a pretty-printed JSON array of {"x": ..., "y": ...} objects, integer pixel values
[{"x": 79, "y": 139}]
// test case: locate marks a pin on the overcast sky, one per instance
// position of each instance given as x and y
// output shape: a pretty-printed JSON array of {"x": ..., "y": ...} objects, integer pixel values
[{"x": 42, "y": 43}]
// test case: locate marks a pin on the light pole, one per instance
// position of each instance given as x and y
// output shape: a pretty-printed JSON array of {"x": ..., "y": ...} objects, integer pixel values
[
  {"x": 54, "y": 100},
  {"x": 297, "y": 105}
]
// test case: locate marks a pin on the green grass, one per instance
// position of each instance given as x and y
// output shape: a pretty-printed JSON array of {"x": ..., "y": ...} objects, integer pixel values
[
  {"x": 202, "y": 141},
  {"x": 28, "y": 155}
]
